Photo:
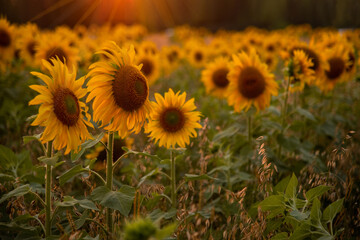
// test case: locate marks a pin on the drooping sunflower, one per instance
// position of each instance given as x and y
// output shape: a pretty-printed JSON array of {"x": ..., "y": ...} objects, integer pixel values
[
  {"x": 120, "y": 91},
  {"x": 214, "y": 77},
  {"x": 337, "y": 60},
  {"x": 7, "y": 42},
  {"x": 150, "y": 66},
  {"x": 52, "y": 45},
  {"x": 250, "y": 83},
  {"x": 61, "y": 111},
  {"x": 173, "y": 121},
  {"x": 300, "y": 71},
  {"x": 99, "y": 152}
]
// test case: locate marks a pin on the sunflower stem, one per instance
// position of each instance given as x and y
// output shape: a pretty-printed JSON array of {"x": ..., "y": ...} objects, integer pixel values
[
  {"x": 249, "y": 129},
  {"x": 284, "y": 112},
  {"x": 48, "y": 192},
  {"x": 109, "y": 178},
  {"x": 173, "y": 180}
]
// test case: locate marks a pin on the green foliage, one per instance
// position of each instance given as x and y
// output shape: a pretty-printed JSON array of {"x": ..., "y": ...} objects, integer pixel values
[{"x": 300, "y": 218}]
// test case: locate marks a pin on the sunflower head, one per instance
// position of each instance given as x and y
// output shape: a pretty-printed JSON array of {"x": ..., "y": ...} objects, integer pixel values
[
  {"x": 337, "y": 63},
  {"x": 150, "y": 66},
  {"x": 7, "y": 40},
  {"x": 173, "y": 120},
  {"x": 215, "y": 77},
  {"x": 300, "y": 71},
  {"x": 250, "y": 82},
  {"x": 120, "y": 91},
  {"x": 61, "y": 112},
  {"x": 52, "y": 46}
]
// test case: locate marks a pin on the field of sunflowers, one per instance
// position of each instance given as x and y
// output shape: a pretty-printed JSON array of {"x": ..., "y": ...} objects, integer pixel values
[{"x": 113, "y": 132}]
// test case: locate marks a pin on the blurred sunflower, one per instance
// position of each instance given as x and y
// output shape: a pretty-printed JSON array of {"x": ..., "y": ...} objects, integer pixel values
[
  {"x": 214, "y": 77},
  {"x": 150, "y": 66},
  {"x": 300, "y": 71},
  {"x": 120, "y": 91},
  {"x": 173, "y": 121},
  {"x": 99, "y": 152},
  {"x": 337, "y": 60},
  {"x": 197, "y": 56},
  {"x": 250, "y": 83},
  {"x": 51, "y": 46},
  {"x": 7, "y": 42},
  {"x": 27, "y": 45},
  {"x": 148, "y": 47},
  {"x": 61, "y": 112},
  {"x": 171, "y": 56}
]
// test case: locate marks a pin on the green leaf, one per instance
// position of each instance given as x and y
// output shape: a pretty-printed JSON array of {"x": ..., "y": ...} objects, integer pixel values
[
  {"x": 165, "y": 231},
  {"x": 87, "y": 204},
  {"x": 315, "y": 214},
  {"x": 300, "y": 216},
  {"x": 142, "y": 180},
  {"x": 306, "y": 114},
  {"x": 193, "y": 177},
  {"x": 7, "y": 157},
  {"x": 333, "y": 209},
  {"x": 316, "y": 192},
  {"x": 127, "y": 150},
  {"x": 171, "y": 213},
  {"x": 120, "y": 200},
  {"x": 27, "y": 139},
  {"x": 5, "y": 177},
  {"x": 81, "y": 221},
  {"x": 70, "y": 202},
  {"x": 71, "y": 173},
  {"x": 281, "y": 186},
  {"x": 280, "y": 236},
  {"x": 19, "y": 191},
  {"x": 227, "y": 132},
  {"x": 87, "y": 144},
  {"x": 275, "y": 204},
  {"x": 52, "y": 161},
  {"x": 291, "y": 188},
  {"x": 301, "y": 232}
]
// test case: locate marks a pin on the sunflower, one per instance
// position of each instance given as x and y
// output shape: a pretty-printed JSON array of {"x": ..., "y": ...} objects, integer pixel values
[
  {"x": 150, "y": 66},
  {"x": 196, "y": 55},
  {"x": 51, "y": 45},
  {"x": 337, "y": 60},
  {"x": 173, "y": 121},
  {"x": 250, "y": 82},
  {"x": 61, "y": 112},
  {"x": 99, "y": 152},
  {"x": 300, "y": 71},
  {"x": 7, "y": 42},
  {"x": 148, "y": 47},
  {"x": 214, "y": 77},
  {"x": 171, "y": 56},
  {"x": 120, "y": 91},
  {"x": 27, "y": 45}
]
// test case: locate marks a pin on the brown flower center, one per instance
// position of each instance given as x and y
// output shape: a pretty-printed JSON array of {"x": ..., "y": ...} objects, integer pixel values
[
  {"x": 219, "y": 77},
  {"x": 337, "y": 67},
  {"x": 5, "y": 39},
  {"x": 172, "y": 56},
  {"x": 31, "y": 48},
  {"x": 130, "y": 88},
  {"x": 251, "y": 82},
  {"x": 56, "y": 51},
  {"x": 147, "y": 67},
  {"x": 198, "y": 56},
  {"x": 66, "y": 106},
  {"x": 172, "y": 120},
  {"x": 311, "y": 55}
]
